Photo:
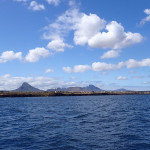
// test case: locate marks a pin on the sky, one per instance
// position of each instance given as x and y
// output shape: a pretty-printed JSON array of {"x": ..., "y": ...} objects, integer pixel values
[{"x": 63, "y": 43}]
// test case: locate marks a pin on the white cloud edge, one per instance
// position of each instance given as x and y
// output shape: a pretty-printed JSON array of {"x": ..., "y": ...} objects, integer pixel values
[
  {"x": 102, "y": 66},
  {"x": 110, "y": 54},
  {"x": 54, "y": 2},
  {"x": 147, "y": 18},
  {"x": 49, "y": 70},
  {"x": 34, "y": 55},
  {"x": 91, "y": 30},
  {"x": 36, "y": 6},
  {"x": 10, "y": 56},
  {"x": 58, "y": 45},
  {"x": 121, "y": 78}
]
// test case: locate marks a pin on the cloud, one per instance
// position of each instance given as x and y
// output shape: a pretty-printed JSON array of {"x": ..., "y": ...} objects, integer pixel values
[
  {"x": 121, "y": 78},
  {"x": 54, "y": 2},
  {"x": 63, "y": 25},
  {"x": 57, "y": 31},
  {"x": 102, "y": 66},
  {"x": 6, "y": 76},
  {"x": 96, "y": 66},
  {"x": 8, "y": 82},
  {"x": 147, "y": 11},
  {"x": 35, "y": 54},
  {"x": 87, "y": 27},
  {"x": 67, "y": 69},
  {"x": 9, "y": 56},
  {"x": 49, "y": 70},
  {"x": 36, "y": 7},
  {"x": 84, "y": 26},
  {"x": 131, "y": 63},
  {"x": 146, "y": 82},
  {"x": 58, "y": 45},
  {"x": 146, "y": 19},
  {"x": 110, "y": 54},
  {"x": 81, "y": 68},
  {"x": 76, "y": 69},
  {"x": 71, "y": 3},
  {"x": 91, "y": 30},
  {"x": 115, "y": 38}
]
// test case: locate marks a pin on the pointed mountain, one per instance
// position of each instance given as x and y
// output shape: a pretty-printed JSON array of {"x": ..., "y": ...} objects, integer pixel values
[{"x": 25, "y": 87}]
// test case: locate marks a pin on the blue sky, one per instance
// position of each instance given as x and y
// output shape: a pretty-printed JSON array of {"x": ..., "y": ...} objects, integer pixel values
[{"x": 62, "y": 43}]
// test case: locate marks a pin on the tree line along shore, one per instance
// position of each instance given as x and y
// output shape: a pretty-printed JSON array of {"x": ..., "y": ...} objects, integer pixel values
[{"x": 61, "y": 93}]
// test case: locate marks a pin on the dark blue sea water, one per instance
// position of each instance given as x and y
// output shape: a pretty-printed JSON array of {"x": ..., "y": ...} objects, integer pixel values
[{"x": 75, "y": 123}]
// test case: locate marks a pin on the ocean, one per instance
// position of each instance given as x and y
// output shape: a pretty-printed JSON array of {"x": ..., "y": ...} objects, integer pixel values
[{"x": 120, "y": 122}]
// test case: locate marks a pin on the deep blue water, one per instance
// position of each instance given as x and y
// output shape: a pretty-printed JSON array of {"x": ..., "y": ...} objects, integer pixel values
[{"x": 75, "y": 123}]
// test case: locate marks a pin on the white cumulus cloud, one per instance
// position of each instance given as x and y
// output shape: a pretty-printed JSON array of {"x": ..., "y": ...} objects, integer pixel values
[
  {"x": 110, "y": 54},
  {"x": 91, "y": 30},
  {"x": 36, "y": 7},
  {"x": 10, "y": 55},
  {"x": 67, "y": 69},
  {"x": 147, "y": 18},
  {"x": 58, "y": 45},
  {"x": 147, "y": 11},
  {"x": 115, "y": 38},
  {"x": 76, "y": 69},
  {"x": 87, "y": 27},
  {"x": 35, "y": 54},
  {"x": 131, "y": 63},
  {"x": 54, "y": 2},
  {"x": 81, "y": 68},
  {"x": 102, "y": 66},
  {"x": 49, "y": 70},
  {"x": 8, "y": 82},
  {"x": 63, "y": 25},
  {"x": 96, "y": 66},
  {"x": 121, "y": 78}
]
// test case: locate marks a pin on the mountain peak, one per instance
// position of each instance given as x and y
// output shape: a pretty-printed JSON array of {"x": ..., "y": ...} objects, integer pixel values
[
  {"x": 25, "y": 84},
  {"x": 91, "y": 85},
  {"x": 93, "y": 88},
  {"x": 26, "y": 87}
]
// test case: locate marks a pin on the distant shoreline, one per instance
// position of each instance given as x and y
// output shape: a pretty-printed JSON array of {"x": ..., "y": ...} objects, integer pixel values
[{"x": 51, "y": 94}]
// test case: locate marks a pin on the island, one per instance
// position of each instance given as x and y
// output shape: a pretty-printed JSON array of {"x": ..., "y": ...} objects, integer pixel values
[{"x": 26, "y": 90}]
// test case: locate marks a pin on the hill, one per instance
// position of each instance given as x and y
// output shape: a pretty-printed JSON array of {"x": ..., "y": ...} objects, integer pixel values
[
  {"x": 122, "y": 90},
  {"x": 89, "y": 88},
  {"x": 25, "y": 87}
]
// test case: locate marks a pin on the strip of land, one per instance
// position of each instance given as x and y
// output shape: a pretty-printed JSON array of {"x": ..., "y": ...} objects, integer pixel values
[{"x": 47, "y": 94}]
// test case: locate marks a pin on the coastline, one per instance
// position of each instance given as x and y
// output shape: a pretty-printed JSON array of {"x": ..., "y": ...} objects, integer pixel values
[{"x": 51, "y": 94}]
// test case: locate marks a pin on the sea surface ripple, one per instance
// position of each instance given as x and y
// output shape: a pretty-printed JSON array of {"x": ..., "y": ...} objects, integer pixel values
[{"x": 75, "y": 123}]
